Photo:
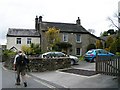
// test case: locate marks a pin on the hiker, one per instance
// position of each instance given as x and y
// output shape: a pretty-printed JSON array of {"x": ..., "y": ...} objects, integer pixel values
[{"x": 20, "y": 62}]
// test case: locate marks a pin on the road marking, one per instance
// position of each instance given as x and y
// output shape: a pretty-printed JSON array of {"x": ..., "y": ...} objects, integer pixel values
[{"x": 48, "y": 85}]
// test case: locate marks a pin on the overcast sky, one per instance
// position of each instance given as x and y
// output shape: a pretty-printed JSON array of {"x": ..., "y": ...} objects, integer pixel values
[{"x": 21, "y": 13}]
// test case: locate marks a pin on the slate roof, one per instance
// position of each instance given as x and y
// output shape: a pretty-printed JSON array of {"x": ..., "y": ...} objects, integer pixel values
[
  {"x": 22, "y": 32},
  {"x": 64, "y": 27}
]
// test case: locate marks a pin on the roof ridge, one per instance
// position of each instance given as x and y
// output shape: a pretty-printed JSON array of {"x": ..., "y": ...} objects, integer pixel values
[
  {"x": 60, "y": 23},
  {"x": 20, "y": 29}
]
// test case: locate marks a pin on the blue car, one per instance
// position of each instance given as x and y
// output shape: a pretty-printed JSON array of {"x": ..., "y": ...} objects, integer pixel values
[{"x": 90, "y": 56}]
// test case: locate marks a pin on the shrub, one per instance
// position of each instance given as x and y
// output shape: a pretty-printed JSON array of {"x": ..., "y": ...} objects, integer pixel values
[
  {"x": 91, "y": 46},
  {"x": 118, "y": 53},
  {"x": 7, "y": 54}
]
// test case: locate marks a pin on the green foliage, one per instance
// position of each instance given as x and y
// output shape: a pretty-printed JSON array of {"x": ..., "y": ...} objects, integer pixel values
[
  {"x": 113, "y": 44},
  {"x": 111, "y": 31},
  {"x": 104, "y": 33},
  {"x": 26, "y": 49},
  {"x": 62, "y": 46},
  {"x": 108, "y": 42},
  {"x": 52, "y": 36},
  {"x": 99, "y": 44},
  {"x": 118, "y": 53},
  {"x": 113, "y": 47},
  {"x": 7, "y": 54},
  {"x": 118, "y": 43},
  {"x": 33, "y": 49},
  {"x": 81, "y": 58},
  {"x": 91, "y": 46}
]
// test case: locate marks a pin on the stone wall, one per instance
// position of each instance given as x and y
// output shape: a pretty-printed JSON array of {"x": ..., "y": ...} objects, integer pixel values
[{"x": 37, "y": 64}]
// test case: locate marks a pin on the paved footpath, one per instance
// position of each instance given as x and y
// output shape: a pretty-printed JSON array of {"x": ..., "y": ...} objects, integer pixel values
[{"x": 69, "y": 80}]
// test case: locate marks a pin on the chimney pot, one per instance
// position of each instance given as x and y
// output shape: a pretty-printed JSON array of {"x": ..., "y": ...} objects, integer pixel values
[
  {"x": 40, "y": 18},
  {"x": 78, "y": 22}
]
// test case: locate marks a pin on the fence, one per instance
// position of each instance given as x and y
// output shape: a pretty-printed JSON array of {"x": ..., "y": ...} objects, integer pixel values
[{"x": 108, "y": 65}]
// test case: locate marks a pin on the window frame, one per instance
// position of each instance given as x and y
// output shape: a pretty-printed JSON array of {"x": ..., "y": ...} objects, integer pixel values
[
  {"x": 65, "y": 37},
  {"x": 29, "y": 40},
  {"x": 78, "y": 40},
  {"x": 18, "y": 41}
]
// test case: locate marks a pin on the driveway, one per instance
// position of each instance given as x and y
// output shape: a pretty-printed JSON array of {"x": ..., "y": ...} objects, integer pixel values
[{"x": 72, "y": 80}]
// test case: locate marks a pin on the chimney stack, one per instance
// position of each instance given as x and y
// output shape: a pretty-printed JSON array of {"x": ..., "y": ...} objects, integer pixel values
[
  {"x": 78, "y": 22},
  {"x": 40, "y": 19},
  {"x": 36, "y": 23}
]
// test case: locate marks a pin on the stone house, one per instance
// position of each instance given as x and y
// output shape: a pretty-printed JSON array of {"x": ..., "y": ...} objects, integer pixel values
[{"x": 75, "y": 34}]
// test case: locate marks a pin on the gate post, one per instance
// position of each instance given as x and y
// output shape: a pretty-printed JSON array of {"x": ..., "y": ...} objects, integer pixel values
[{"x": 96, "y": 65}]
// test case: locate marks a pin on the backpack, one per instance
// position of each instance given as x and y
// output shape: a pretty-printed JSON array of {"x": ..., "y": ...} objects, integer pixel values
[{"x": 21, "y": 60}]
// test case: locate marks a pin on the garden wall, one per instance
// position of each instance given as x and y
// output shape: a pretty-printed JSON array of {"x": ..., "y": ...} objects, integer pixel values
[{"x": 37, "y": 64}]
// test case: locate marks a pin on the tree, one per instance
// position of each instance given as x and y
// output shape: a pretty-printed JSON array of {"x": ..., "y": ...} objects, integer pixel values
[
  {"x": 91, "y": 46},
  {"x": 114, "y": 22},
  {"x": 118, "y": 43},
  {"x": 99, "y": 44},
  {"x": 63, "y": 46},
  {"x": 113, "y": 47},
  {"x": 27, "y": 50},
  {"x": 52, "y": 36},
  {"x": 104, "y": 33},
  {"x": 35, "y": 48},
  {"x": 108, "y": 42},
  {"x": 111, "y": 31}
]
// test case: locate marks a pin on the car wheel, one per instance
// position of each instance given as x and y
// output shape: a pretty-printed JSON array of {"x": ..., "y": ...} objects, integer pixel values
[
  {"x": 94, "y": 59},
  {"x": 72, "y": 62}
]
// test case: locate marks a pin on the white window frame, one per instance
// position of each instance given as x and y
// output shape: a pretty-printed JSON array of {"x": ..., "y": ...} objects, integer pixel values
[
  {"x": 65, "y": 37},
  {"x": 29, "y": 40},
  {"x": 78, "y": 41},
  {"x": 18, "y": 41}
]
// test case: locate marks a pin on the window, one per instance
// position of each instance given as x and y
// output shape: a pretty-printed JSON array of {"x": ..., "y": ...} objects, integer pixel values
[
  {"x": 78, "y": 51},
  {"x": 28, "y": 40},
  {"x": 78, "y": 38},
  {"x": 18, "y": 41},
  {"x": 65, "y": 37}
]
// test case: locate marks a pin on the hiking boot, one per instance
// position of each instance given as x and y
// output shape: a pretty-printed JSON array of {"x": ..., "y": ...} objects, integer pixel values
[
  {"x": 25, "y": 84},
  {"x": 17, "y": 83}
]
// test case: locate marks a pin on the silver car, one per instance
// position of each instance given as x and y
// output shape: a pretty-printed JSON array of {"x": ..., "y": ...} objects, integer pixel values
[{"x": 74, "y": 59}]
